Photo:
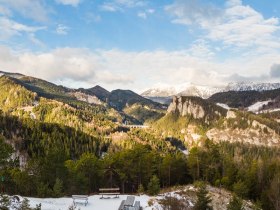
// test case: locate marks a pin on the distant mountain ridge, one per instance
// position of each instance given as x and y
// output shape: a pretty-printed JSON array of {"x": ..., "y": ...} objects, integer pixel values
[
  {"x": 248, "y": 86},
  {"x": 165, "y": 92}
]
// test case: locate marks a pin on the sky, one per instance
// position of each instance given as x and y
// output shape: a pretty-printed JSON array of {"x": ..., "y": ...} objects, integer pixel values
[{"x": 140, "y": 44}]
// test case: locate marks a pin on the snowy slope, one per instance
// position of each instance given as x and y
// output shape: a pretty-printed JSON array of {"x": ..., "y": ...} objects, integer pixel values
[{"x": 257, "y": 106}]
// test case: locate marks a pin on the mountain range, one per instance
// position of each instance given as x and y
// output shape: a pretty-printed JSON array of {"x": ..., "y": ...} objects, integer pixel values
[
  {"x": 189, "y": 119},
  {"x": 164, "y": 93}
]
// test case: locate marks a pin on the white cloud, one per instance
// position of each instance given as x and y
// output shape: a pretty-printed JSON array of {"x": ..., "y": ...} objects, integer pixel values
[
  {"x": 73, "y": 3},
  {"x": 192, "y": 12},
  {"x": 200, "y": 48},
  {"x": 275, "y": 70},
  {"x": 151, "y": 11},
  {"x": 33, "y": 9},
  {"x": 235, "y": 25},
  {"x": 11, "y": 28},
  {"x": 109, "y": 7},
  {"x": 142, "y": 15},
  {"x": 35, "y": 41},
  {"x": 130, "y": 3},
  {"x": 134, "y": 70},
  {"x": 62, "y": 29},
  {"x": 120, "y": 5}
]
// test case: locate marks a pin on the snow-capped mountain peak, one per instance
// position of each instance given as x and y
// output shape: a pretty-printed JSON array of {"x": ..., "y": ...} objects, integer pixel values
[
  {"x": 184, "y": 89},
  {"x": 247, "y": 86},
  {"x": 189, "y": 89}
]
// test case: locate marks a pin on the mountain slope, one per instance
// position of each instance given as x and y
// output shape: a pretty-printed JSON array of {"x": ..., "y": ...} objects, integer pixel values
[
  {"x": 97, "y": 91},
  {"x": 193, "y": 119},
  {"x": 137, "y": 108}
]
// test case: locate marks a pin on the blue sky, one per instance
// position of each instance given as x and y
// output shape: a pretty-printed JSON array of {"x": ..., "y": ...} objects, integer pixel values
[{"x": 138, "y": 44}]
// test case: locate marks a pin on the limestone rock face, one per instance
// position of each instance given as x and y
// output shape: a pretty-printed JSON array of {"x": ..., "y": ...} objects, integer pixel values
[
  {"x": 87, "y": 98},
  {"x": 186, "y": 107},
  {"x": 192, "y": 106}
]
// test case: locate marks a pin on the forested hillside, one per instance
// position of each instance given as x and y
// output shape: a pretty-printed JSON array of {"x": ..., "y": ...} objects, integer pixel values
[{"x": 124, "y": 105}]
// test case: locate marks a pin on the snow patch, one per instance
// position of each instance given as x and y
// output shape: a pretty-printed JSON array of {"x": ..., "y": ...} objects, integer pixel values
[
  {"x": 225, "y": 106},
  {"x": 257, "y": 106}
]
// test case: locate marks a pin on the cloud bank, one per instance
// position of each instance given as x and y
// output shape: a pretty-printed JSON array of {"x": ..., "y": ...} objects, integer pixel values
[{"x": 75, "y": 67}]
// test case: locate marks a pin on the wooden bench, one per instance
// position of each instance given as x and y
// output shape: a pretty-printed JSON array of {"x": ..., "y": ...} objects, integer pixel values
[
  {"x": 80, "y": 199},
  {"x": 137, "y": 205},
  {"x": 128, "y": 204},
  {"x": 121, "y": 206},
  {"x": 129, "y": 201},
  {"x": 109, "y": 192}
]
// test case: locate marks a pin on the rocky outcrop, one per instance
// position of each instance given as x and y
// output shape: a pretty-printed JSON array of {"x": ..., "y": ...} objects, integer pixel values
[
  {"x": 249, "y": 136},
  {"x": 87, "y": 98},
  {"x": 195, "y": 107},
  {"x": 186, "y": 107}
]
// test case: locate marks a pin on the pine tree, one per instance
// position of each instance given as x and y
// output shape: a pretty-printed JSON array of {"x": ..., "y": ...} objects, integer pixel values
[
  {"x": 57, "y": 188},
  {"x": 203, "y": 199},
  {"x": 140, "y": 189},
  {"x": 154, "y": 186},
  {"x": 235, "y": 204}
]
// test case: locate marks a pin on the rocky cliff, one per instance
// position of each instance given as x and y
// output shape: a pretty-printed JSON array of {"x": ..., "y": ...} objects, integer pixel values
[{"x": 196, "y": 108}]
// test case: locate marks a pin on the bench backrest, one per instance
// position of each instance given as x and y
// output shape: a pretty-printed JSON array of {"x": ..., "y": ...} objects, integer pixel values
[
  {"x": 109, "y": 189},
  {"x": 121, "y": 206},
  {"x": 84, "y": 197},
  {"x": 137, "y": 205},
  {"x": 129, "y": 201}
]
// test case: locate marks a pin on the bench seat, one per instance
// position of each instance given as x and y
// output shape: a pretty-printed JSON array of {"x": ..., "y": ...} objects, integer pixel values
[{"x": 80, "y": 199}]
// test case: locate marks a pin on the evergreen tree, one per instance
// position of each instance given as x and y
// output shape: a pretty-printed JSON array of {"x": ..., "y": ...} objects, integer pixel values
[
  {"x": 57, "y": 188},
  {"x": 203, "y": 200},
  {"x": 241, "y": 189},
  {"x": 154, "y": 186},
  {"x": 235, "y": 204},
  {"x": 141, "y": 189}
]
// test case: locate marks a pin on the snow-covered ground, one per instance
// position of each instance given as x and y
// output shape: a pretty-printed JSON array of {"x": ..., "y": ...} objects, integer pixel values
[
  {"x": 220, "y": 198},
  {"x": 94, "y": 203},
  {"x": 257, "y": 106}
]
